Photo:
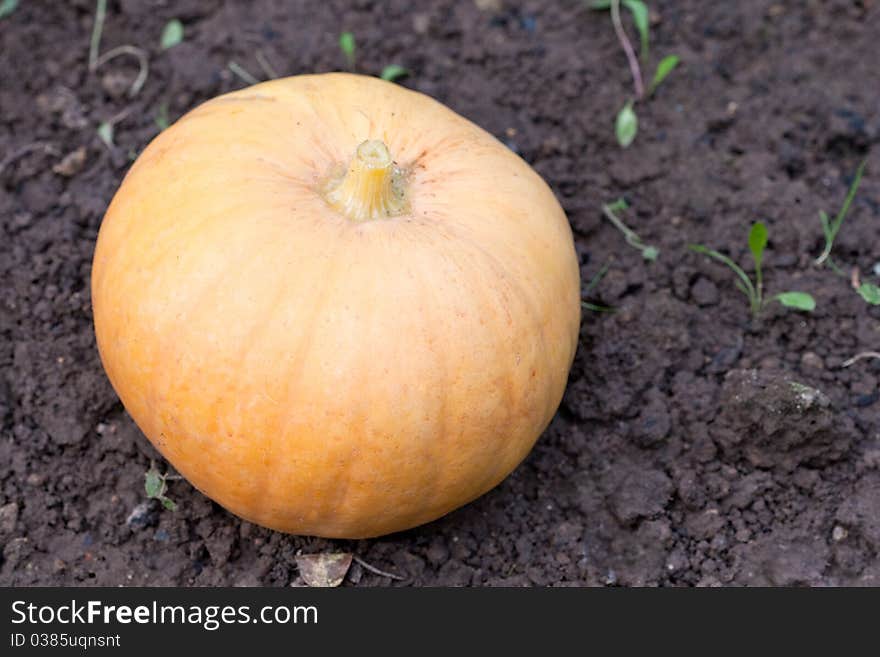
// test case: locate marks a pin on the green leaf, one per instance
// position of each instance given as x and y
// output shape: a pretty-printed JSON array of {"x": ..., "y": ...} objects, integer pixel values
[
  {"x": 105, "y": 132},
  {"x": 870, "y": 293},
  {"x": 619, "y": 204},
  {"x": 650, "y": 253},
  {"x": 154, "y": 483},
  {"x": 7, "y": 7},
  {"x": 172, "y": 34},
  {"x": 664, "y": 68},
  {"x": 639, "y": 11},
  {"x": 347, "y": 46},
  {"x": 392, "y": 72},
  {"x": 797, "y": 300},
  {"x": 758, "y": 241},
  {"x": 169, "y": 504},
  {"x": 626, "y": 126},
  {"x": 600, "y": 4}
]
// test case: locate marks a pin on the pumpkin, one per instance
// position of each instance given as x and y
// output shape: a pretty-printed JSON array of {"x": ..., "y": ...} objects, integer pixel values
[{"x": 334, "y": 305}]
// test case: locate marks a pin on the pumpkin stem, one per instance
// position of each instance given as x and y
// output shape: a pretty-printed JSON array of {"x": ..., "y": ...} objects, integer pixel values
[{"x": 371, "y": 188}]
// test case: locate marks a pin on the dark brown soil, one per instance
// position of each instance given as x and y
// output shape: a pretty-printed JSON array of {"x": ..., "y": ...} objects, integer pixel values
[{"x": 682, "y": 454}]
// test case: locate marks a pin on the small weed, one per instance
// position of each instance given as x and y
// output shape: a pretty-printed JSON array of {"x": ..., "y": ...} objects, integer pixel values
[
  {"x": 156, "y": 485},
  {"x": 594, "y": 282},
  {"x": 172, "y": 34},
  {"x": 755, "y": 290},
  {"x": 610, "y": 210},
  {"x": 626, "y": 123},
  {"x": 831, "y": 228},
  {"x": 393, "y": 72},
  {"x": 347, "y": 46}
]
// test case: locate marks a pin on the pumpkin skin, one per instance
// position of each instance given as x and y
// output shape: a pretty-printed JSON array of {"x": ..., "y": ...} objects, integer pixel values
[{"x": 319, "y": 375}]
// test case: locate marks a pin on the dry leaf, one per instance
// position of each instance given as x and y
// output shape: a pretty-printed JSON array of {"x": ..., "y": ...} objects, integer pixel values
[{"x": 323, "y": 569}]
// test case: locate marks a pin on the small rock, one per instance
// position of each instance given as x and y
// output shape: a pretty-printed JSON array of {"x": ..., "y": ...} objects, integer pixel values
[
  {"x": 72, "y": 163},
  {"x": 437, "y": 553},
  {"x": 35, "y": 479},
  {"x": 640, "y": 493},
  {"x": 115, "y": 83},
  {"x": 142, "y": 515},
  {"x": 705, "y": 524},
  {"x": 421, "y": 23},
  {"x": 704, "y": 292},
  {"x": 8, "y": 518},
  {"x": 839, "y": 533}
]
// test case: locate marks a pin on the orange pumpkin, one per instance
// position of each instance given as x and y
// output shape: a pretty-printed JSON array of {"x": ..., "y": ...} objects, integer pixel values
[{"x": 334, "y": 305}]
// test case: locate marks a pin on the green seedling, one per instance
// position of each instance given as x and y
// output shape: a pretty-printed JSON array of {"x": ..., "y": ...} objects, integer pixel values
[
  {"x": 610, "y": 210},
  {"x": 156, "y": 485},
  {"x": 594, "y": 282},
  {"x": 7, "y": 7},
  {"x": 172, "y": 34},
  {"x": 626, "y": 123},
  {"x": 639, "y": 11},
  {"x": 832, "y": 228},
  {"x": 347, "y": 46},
  {"x": 754, "y": 290},
  {"x": 393, "y": 72}
]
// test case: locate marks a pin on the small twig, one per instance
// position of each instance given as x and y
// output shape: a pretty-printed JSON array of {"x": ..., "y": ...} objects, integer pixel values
[
  {"x": 861, "y": 356},
  {"x": 375, "y": 570},
  {"x": 266, "y": 65},
  {"x": 46, "y": 147},
  {"x": 631, "y": 56},
  {"x": 243, "y": 74},
  {"x": 143, "y": 62}
]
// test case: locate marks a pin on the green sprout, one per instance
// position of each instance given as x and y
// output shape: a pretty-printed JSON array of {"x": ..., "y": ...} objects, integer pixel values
[
  {"x": 831, "y": 228},
  {"x": 172, "y": 34},
  {"x": 610, "y": 211},
  {"x": 594, "y": 282},
  {"x": 626, "y": 123},
  {"x": 156, "y": 485},
  {"x": 393, "y": 72},
  {"x": 754, "y": 290},
  {"x": 347, "y": 46}
]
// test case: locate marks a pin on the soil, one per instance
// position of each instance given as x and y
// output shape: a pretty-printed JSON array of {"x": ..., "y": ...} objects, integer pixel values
[{"x": 682, "y": 453}]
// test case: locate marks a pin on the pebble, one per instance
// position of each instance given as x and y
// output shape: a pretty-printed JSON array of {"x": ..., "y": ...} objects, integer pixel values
[{"x": 812, "y": 360}]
